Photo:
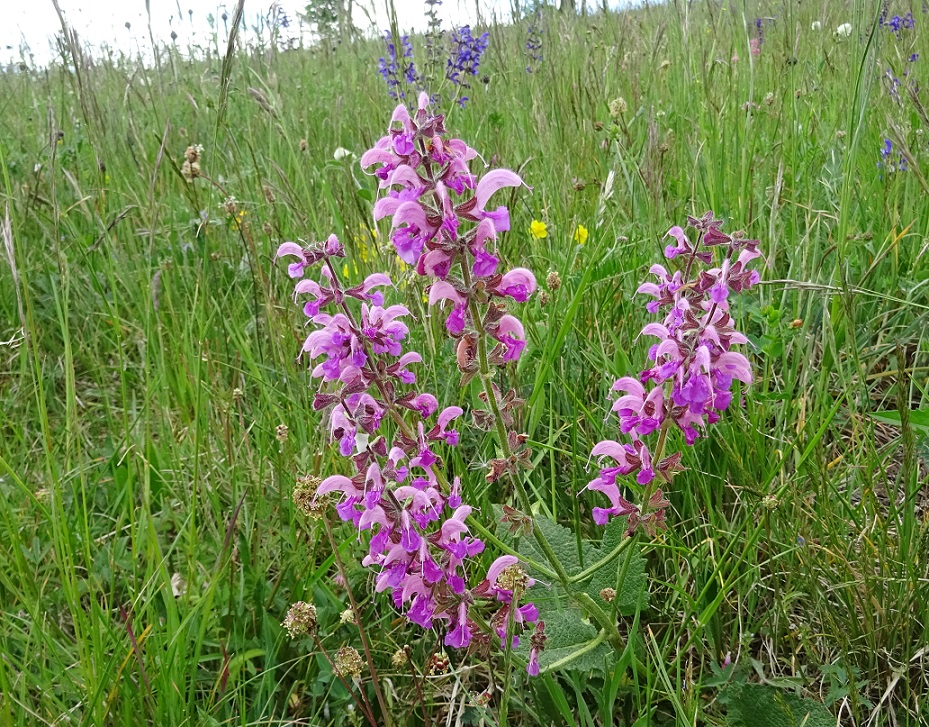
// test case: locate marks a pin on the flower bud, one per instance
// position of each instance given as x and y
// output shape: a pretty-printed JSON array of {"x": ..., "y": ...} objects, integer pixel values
[
  {"x": 514, "y": 578},
  {"x": 438, "y": 664}
]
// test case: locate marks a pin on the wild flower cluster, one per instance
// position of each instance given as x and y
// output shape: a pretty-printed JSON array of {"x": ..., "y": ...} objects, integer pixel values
[
  {"x": 534, "y": 43},
  {"x": 420, "y": 543},
  {"x": 440, "y": 219},
  {"x": 893, "y": 82},
  {"x": 896, "y": 24},
  {"x": 460, "y": 57},
  {"x": 693, "y": 366}
]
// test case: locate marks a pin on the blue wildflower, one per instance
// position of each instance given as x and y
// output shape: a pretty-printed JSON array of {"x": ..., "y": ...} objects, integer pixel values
[
  {"x": 465, "y": 57},
  {"x": 887, "y": 158}
]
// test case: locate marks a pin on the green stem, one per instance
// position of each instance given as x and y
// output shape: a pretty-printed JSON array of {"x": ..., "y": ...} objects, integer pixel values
[
  {"x": 591, "y": 569},
  {"x": 486, "y": 376},
  {"x": 507, "y": 664}
]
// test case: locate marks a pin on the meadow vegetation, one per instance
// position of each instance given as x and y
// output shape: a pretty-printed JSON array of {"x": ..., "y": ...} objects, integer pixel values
[{"x": 154, "y": 418}]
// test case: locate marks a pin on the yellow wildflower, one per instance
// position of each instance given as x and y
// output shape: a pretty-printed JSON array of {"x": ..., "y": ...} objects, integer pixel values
[
  {"x": 538, "y": 230},
  {"x": 580, "y": 235}
]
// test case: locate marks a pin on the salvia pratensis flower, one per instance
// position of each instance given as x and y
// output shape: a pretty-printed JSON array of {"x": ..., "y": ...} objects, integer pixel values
[{"x": 693, "y": 365}]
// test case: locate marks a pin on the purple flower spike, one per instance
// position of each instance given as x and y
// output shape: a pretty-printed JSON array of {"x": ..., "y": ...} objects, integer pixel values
[{"x": 692, "y": 366}]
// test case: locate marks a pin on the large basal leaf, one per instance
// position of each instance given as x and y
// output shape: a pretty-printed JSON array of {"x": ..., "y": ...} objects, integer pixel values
[{"x": 761, "y": 705}]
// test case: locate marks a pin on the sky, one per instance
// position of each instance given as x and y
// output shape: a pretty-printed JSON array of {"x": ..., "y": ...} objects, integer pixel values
[{"x": 104, "y": 21}]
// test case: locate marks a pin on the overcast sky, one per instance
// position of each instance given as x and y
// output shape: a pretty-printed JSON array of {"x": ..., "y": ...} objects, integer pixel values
[{"x": 104, "y": 21}]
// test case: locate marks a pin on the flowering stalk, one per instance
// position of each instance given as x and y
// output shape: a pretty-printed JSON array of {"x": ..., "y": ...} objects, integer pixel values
[
  {"x": 464, "y": 58},
  {"x": 534, "y": 53},
  {"x": 420, "y": 543},
  {"x": 693, "y": 368}
]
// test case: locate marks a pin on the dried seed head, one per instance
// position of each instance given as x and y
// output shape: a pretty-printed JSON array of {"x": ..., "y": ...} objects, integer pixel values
[
  {"x": 230, "y": 204},
  {"x": 348, "y": 662},
  {"x": 769, "y": 98},
  {"x": 401, "y": 657},
  {"x": 303, "y": 145},
  {"x": 282, "y": 432},
  {"x": 770, "y": 502},
  {"x": 193, "y": 153},
  {"x": 305, "y": 497},
  {"x": 608, "y": 595},
  {"x": 190, "y": 169},
  {"x": 268, "y": 193},
  {"x": 268, "y": 229},
  {"x": 544, "y": 298},
  {"x": 300, "y": 619},
  {"x": 514, "y": 578},
  {"x": 553, "y": 280},
  {"x": 237, "y": 394}
]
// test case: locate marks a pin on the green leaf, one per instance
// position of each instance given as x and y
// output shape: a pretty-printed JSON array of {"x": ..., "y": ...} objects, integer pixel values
[
  {"x": 629, "y": 565},
  {"x": 919, "y": 418},
  {"x": 761, "y": 705},
  {"x": 570, "y": 636},
  {"x": 562, "y": 540}
]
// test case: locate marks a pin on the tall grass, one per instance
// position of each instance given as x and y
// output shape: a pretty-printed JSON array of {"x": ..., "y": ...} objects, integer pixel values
[{"x": 149, "y": 548}]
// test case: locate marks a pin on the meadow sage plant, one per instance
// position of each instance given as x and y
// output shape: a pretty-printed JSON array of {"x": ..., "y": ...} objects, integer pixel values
[
  {"x": 420, "y": 544},
  {"x": 693, "y": 366}
]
